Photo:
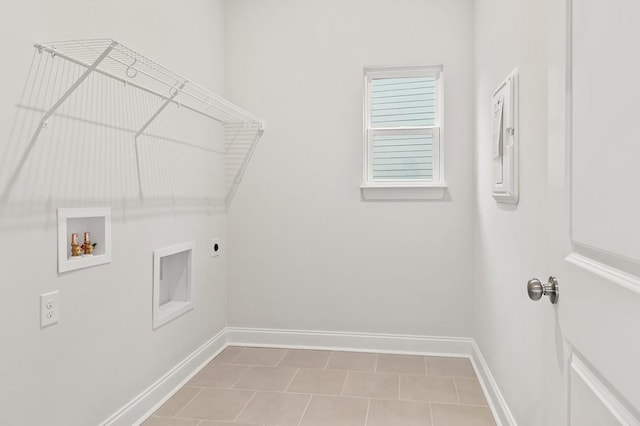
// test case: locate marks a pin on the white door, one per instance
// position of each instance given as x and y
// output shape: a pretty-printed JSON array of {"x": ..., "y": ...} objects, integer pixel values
[{"x": 594, "y": 211}]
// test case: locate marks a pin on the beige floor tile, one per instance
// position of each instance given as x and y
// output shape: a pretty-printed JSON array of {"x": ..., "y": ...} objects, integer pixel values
[
  {"x": 405, "y": 413},
  {"x": 216, "y": 404},
  {"x": 449, "y": 367},
  {"x": 461, "y": 415},
  {"x": 305, "y": 359},
  {"x": 176, "y": 402},
  {"x": 266, "y": 378},
  {"x": 167, "y": 421},
  {"x": 425, "y": 388},
  {"x": 352, "y": 361},
  {"x": 402, "y": 364},
  {"x": 228, "y": 354},
  {"x": 450, "y": 385},
  {"x": 218, "y": 375},
  {"x": 275, "y": 408},
  {"x": 335, "y": 411},
  {"x": 470, "y": 391},
  {"x": 327, "y": 382},
  {"x": 260, "y": 356},
  {"x": 371, "y": 385}
]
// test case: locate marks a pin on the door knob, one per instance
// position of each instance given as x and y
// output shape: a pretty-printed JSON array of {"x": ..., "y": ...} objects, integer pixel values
[{"x": 536, "y": 289}]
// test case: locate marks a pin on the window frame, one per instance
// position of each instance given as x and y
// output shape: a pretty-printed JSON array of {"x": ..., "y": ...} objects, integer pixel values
[{"x": 398, "y": 188}]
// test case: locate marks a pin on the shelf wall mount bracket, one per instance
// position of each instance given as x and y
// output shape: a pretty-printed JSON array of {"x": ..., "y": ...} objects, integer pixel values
[
  {"x": 72, "y": 88},
  {"x": 43, "y": 121},
  {"x": 166, "y": 103}
]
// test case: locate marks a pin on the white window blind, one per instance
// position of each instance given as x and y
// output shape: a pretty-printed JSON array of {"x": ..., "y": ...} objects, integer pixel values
[
  {"x": 397, "y": 102},
  {"x": 403, "y": 112},
  {"x": 404, "y": 157}
]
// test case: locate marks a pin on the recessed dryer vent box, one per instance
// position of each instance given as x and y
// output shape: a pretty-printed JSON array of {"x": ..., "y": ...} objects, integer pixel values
[{"x": 171, "y": 282}]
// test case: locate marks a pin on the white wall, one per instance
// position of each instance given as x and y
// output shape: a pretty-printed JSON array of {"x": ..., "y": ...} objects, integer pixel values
[
  {"x": 103, "y": 351},
  {"x": 510, "y": 330},
  {"x": 305, "y": 251}
]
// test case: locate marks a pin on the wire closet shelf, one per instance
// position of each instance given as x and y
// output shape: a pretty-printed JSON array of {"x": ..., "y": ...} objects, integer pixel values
[{"x": 113, "y": 59}]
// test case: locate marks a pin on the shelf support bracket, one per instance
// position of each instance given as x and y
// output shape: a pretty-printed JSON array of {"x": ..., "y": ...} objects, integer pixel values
[
  {"x": 52, "y": 110},
  {"x": 166, "y": 103},
  {"x": 238, "y": 178},
  {"x": 73, "y": 87}
]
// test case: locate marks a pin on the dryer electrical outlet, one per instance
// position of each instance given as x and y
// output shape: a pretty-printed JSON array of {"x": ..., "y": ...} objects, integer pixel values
[{"x": 215, "y": 247}]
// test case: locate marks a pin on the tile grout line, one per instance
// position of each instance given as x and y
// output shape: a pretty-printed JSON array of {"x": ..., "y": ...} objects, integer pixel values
[
  {"x": 309, "y": 393},
  {"x": 426, "y": 367},
  {"x": 286, "y": 352},
  {"x": 167, "y": 418},
  {"x": 366, "y": 418},
  {"x": 453, "y": 379},
  {"x": 326, "y": 364},
  {"x": 375, "y": 368},
  {"x": 236, "y": 355},
  {"x": 245, "y": 407},
  {"x": 456, "y": 404},
  {"x": 185, "y": 404},
  {"x": 197, "y": 419},
  {"x": 431, "y": 413},
  {"x": 344, "y": 383},
  {"x": 305, "y": 410},
  {"x": 248, "y": 367},
  {"x": 286, "y": 388}
]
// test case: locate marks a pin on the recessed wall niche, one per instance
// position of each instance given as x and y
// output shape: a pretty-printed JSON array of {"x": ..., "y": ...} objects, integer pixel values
[
  {"x": 171, "y": 282},
  {"x": 75, "y": 223}
]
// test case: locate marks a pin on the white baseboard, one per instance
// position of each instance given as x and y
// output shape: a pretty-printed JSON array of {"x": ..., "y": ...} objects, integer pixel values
[
  {"x": 142, "y": 406},
  {"x": 352, "y": 342},
  {"x": 498, "y": 405}
]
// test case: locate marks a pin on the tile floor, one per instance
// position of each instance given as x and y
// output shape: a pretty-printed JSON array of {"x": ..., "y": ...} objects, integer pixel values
[{"x": 264, "y": 386}]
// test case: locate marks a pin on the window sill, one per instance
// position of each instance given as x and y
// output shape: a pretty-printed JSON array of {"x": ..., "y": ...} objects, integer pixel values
[{"x": 403, "y": 192}]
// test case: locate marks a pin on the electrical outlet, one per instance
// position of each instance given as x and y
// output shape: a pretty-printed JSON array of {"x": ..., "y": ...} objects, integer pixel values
[
  {"x": 49, "y": 308},
  {"x": 215, "y": 247}
]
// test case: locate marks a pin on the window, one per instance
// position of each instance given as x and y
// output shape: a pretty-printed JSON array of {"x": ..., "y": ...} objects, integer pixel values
[{"x": 403, "y": 156}]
